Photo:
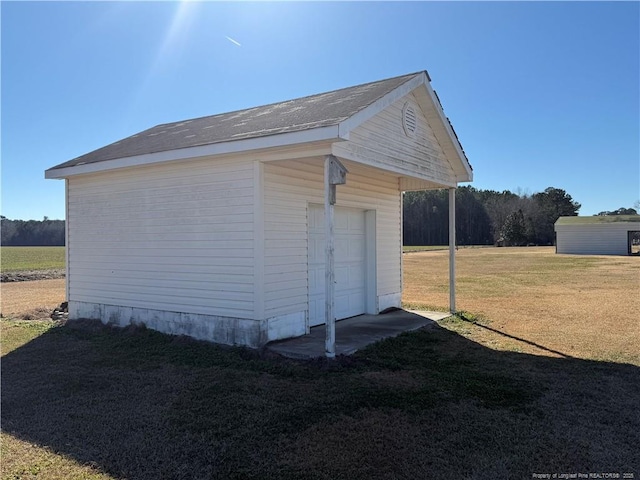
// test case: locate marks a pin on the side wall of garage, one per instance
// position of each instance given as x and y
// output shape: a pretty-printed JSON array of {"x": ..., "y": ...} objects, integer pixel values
[{"x": 168, "y": 246}]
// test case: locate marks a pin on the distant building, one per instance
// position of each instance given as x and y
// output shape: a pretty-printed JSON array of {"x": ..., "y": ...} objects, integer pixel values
[{"x": 598, "y": 235}]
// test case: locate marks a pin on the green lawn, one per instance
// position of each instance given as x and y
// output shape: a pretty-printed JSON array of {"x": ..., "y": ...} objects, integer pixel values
[
  {"x": 14, "y": 259},
  {"x": 88, "y": 402}
]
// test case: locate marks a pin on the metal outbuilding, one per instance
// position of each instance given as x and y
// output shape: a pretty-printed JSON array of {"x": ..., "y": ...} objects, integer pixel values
[{"x": 598, "y": 235}]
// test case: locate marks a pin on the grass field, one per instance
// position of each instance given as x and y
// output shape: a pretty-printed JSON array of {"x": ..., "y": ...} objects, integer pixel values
[
  {"x": 15, "y": 259},
  {"x": 423, "y": 248},
  {"x": 429, "y": 248},
  {"x": 584, "y": 306},
  {"x": 543, "y": 380}
]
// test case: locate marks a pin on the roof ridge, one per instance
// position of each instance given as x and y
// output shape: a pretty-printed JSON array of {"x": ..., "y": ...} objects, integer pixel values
[{"x": 289, "y": 100}]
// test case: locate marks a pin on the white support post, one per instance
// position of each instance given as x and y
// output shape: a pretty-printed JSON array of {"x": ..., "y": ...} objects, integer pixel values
[
  {"x": 67, "y": 260},
  {"x": 452, "y": 250},
  {"x": 334, "y": 174},
  {"x": 329, "y": 273}
]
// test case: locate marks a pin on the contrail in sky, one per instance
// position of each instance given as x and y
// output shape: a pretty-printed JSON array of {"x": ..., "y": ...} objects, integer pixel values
[{"x": 233, "y": 41}]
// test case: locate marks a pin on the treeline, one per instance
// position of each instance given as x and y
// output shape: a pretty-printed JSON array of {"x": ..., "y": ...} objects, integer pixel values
[
  {"x": 620, "y": 211},
  {"x": 485, "y": 217},
  {"x": 31, "y": 233}
]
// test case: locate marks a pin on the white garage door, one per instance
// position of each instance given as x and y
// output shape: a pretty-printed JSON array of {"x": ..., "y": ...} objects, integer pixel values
[{"x": 349, "y": 231}]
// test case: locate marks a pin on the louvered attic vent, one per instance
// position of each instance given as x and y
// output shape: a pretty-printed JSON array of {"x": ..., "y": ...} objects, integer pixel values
[{"x": 409, "y": 122}]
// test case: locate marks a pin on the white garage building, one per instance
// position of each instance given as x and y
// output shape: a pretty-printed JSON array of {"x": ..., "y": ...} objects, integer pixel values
[
  {"x": 215, "y": 228},
  {"x": 597, "y": 235}
]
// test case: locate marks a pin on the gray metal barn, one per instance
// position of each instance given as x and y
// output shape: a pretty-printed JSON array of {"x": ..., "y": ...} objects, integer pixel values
[{"x": 597, "y": 235}]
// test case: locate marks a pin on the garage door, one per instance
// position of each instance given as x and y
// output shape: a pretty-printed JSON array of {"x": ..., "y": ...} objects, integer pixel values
[{"x": 349, "y": 231}]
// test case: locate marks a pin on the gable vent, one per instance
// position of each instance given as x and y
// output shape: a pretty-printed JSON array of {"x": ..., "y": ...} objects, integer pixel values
[{"x": 409, "y": 121}]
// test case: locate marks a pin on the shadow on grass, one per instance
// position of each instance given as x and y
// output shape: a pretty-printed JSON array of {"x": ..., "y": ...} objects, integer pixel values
[
  {"x": 467, "y": 319},
  {"x": 427, "y": 404}
]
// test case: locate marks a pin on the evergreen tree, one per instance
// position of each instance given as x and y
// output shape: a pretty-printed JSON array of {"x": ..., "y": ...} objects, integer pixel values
[{"x": 514, "y": 229}]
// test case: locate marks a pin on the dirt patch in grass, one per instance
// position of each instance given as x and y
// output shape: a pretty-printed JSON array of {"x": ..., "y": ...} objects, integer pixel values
[
  {"x": 20, "y": 298},
  {"x": 582, "y": 306},
  {"x": 27, "y": 276},
  {"x": 427, "y": 404},
  {"x": 41, "y": 313}
]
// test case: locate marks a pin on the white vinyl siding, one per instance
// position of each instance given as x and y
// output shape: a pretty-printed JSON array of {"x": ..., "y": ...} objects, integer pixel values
[
  {"x": 174, "y": 237},
  {"x": 382, "y": 142},
  {"x": 595, "y": 239},
  {"x": 290, "y": 186}
]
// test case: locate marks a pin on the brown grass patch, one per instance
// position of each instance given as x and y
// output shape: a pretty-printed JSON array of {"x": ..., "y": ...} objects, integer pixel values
[
  {"x": 22, "y": 297},
  {"x": 25, "y": 460},
  {"x": 40, "y": 313},
  {"x": 582, "y": 306}
]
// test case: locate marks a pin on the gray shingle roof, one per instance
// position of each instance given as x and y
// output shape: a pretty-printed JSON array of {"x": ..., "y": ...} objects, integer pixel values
[{"x": 321, "y": 110}]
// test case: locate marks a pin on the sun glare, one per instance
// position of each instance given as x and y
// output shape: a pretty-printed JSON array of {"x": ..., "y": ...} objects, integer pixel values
[
  {"x": 171, "y": 46},
  {"x": 177, "y": 32}
]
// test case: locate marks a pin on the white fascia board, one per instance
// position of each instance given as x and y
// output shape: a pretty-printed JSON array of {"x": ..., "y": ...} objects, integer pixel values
[
  {"x": 238, "y": 146},
  {"x": 342, "y": 154},
  {"x": 437, "y": 109},
  {"x": 411, "y": 184},
  {"x": 379, "y": 105}
]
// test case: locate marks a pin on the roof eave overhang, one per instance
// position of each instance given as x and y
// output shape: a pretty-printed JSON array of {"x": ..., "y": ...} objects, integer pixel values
[
  {"x": 327, "y": 133},
  {"x": 444, "y": 133}
]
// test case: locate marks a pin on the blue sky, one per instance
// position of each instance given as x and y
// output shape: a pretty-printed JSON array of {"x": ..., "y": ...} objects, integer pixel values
[{"x": 541, "y": 94}]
